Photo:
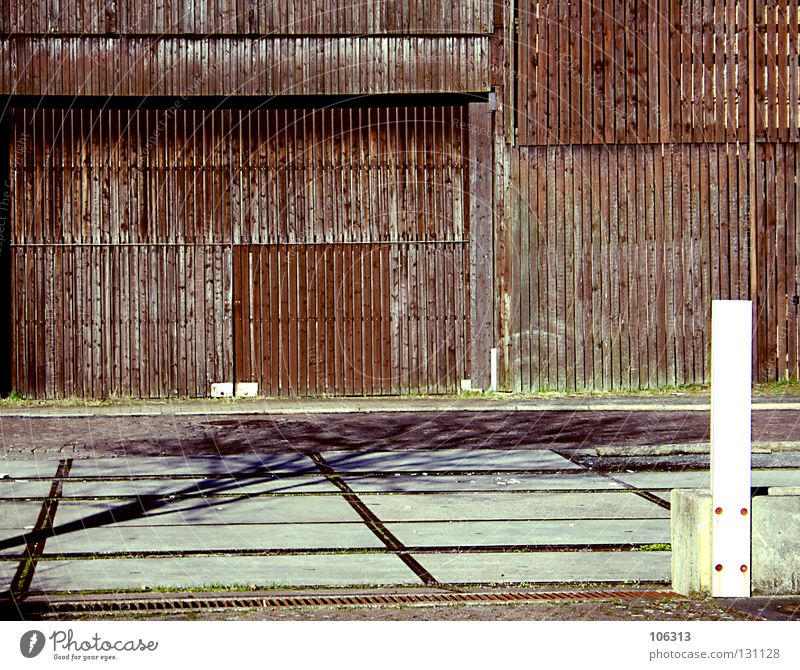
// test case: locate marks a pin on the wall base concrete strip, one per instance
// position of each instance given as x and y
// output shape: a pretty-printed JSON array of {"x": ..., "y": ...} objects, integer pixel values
[
  {"x": 539, "y": 533},
  {"x": 776, "y": 545},
  {"x": 223, "y": 571},
  {"x": 444, "y": 460},
  {"x": 565, "y": 567},
  {"x": 691, "y": 541},
  {"x": 208, "y": 487},
  {"x": 131, "y": 539},
  {"x": 213, "y": 511},
  {"x": 476, "y": 483},
  {"x": 546, "y": 505}
]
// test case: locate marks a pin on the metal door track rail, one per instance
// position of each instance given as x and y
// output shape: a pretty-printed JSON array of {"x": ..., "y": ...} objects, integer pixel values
[{"x": 330, "y": 600}]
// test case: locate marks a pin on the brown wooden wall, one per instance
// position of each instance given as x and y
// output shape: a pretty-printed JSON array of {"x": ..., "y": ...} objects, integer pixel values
[
  {"x": 241, "y": 17},
  {"x": 607, "y": 71},
  {"x": 777, "y": 70},
  {"x": 618, "y": 71},
  {"x": 238, "y": 47},
  {"x": 619, "y": 252},
  {"x": 606, "y": 201},
  {"x": 156, "y": 252},
  {"x": 775, "y": 196},
  {"x": 629, "y": 199},
  {"x": 778, "y": 254},
  {"x": 186, "y": 66}
]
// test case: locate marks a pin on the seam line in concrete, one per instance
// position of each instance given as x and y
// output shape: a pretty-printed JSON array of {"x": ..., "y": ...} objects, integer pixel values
[
  {"x": 628, "y": 487},
  {"x": 335, "y": 551},
  {"x": 372, "y": 521},
  {"x": 639, "y": 492}
]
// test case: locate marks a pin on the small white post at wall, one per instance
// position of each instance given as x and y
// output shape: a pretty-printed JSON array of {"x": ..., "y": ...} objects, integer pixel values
[
  {"x": 731, "y": 374},
  {"x": 493, "y": 383}
]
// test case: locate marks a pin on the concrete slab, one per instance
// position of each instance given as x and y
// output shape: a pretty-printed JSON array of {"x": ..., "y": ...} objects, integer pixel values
[
  {"x": 776, "y": 477},
  {"x": 691, "y": 526},
  {"x": 7, "y": 571},
  {"x": 702, "y": 479},
  {"x": 565, "y": 567},
  {"x": 458, "y": 506},
  {"x": 131, "y": 539},
  {"x": 16, "y": 519},
  {"x": 22, "y": 469},
  {"x": 449, "y": 460},
  {"x": 12, "y": 543},
  {"x": 213, "y": 511},
  {"x": 776, "y": 545},
  {"x": 475, "y": 483},
  {"x": 194, "y": 465},
  {"x": 209, "y": 487},
  {"x": 540, "y": 533},
  {"x": 201, "y": 572},
  {"x": 16, "y": 514},
  {"x": 24, "y": 489}
]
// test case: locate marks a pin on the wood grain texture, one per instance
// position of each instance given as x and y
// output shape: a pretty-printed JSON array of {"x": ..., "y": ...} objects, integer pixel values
[
  {"x": 625, "y": 292},
  {"x": 236, "y": 65},
  {"x": 257, "y": 17},
  {"x": 312, "y": 251},
  {"x": 603, "y": 71}
]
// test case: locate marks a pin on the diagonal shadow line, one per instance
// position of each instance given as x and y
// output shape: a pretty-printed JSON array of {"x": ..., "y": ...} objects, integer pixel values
[{"x": 143, "y": 504}]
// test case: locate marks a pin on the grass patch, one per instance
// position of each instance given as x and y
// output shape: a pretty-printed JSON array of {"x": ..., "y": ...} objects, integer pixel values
[
  {"x": 13, "y": 399},
  {"x": 658, "y": 546},
  {"x": 659, "y": 392},
  {"x": 781, "y": 387}
]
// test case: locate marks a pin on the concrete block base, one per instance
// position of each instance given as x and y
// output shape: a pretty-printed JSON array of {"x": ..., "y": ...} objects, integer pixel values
[
  {"x": 775, "y": 542},
  {"x": 245, "y": 390},
  {"x": 222, "y": 390},
  {"x": 690, "y": 523}
]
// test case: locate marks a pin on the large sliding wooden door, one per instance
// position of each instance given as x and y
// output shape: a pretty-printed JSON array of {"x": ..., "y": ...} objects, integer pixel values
[{"x": 312, "y": 251}]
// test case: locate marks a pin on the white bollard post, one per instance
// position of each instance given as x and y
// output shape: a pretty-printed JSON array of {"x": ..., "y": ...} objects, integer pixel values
[
  {"x": 493, "y": 362},
  {"x": 731, "y": 375}
]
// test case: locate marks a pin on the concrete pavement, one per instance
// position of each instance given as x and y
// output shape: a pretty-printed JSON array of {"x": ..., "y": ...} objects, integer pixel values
[{"x": 342, "y": 518}]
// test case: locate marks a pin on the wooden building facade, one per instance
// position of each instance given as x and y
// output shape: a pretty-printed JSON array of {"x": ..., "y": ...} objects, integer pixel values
[{"x": 334, "y": 198}]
